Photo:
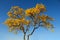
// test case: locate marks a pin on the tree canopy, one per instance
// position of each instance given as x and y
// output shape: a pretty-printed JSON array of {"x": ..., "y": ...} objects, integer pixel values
[{"x": 20, "y": 19}]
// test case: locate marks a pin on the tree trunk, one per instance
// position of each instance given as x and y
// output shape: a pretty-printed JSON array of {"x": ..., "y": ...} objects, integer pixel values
[
  {"x": 28, "y": 37},
  {"x": 24, "y": 36}
]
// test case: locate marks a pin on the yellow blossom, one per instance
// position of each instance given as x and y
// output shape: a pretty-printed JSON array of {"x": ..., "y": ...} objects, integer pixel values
[
  {"x": 18, "y": 21},
  {"x": 20, "y": 10},
  {"x": 28, "y": 12},
  {"x": 43, "y": 18},
  {"x": 36, "y": 10},
  {"x": 10, "y": 24},
  {"x": 23, "y": 20},
  {"x": 9, "y": 14},
  {"x": 41, "y": 7},
  {"x": 27, "y": 22},
  {"x": 16, "y": 12},
  {"x": 14, "y": 16},
  {"x": 32, "y": 11}
]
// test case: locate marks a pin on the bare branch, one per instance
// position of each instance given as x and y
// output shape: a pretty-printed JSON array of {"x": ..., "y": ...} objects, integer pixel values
[{"x": 35, "y": 28}]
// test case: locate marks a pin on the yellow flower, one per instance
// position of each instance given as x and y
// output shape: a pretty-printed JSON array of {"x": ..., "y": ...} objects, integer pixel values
[
  {"x": 14, "y": 16},
  {"x": 7, "y": 21},
  {"x": 16, "y": 12},
  {"x": 18, "y": 21},
  {"x": 9, "y": 14},
  {"x": 43, "y": 18},
  {"x": 20, "y": 10},
  {"x": 9, "y": 24},
  {"x": 36, "y": 10},
  {"x": 32, "y": 11},
  {"x": 48, "y": 25},
  {"x": 28, "y": 12},
  {"x": 14, "y": 23},
  {"x": 27, "y": 22},
  {"x": 41, "y": 7},
  {"x": 23, "y": 20}
]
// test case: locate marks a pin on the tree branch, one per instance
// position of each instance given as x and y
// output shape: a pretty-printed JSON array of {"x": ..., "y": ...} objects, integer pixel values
[
  {"x": 24, "y": 36},
  {"x": 35, "y": 28},
  {"x": 32, "y": 32}
]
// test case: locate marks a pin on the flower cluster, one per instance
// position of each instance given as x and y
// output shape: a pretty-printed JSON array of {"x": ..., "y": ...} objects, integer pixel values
[
  {"x": 17, "y": 17},
  {"x": 36, "y": 10}
]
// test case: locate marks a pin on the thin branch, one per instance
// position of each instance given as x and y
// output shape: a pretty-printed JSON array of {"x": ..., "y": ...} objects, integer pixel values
[
  {"x": 35, "y": 29},
  {"x": 32, "y": 31}
]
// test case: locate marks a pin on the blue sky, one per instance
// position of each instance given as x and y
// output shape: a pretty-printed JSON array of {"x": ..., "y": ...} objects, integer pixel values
[{"x": 53, "y": 10}]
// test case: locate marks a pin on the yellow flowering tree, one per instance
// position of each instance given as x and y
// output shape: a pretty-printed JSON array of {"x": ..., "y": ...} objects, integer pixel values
[{"x": 20, "y": 19}]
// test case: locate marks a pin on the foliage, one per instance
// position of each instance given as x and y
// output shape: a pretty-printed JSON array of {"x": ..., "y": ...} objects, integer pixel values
[{"x": 20, "y": 19}]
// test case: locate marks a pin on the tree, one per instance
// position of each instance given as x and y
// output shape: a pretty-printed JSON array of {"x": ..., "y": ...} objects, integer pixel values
[{"x": 20, "y": 19}]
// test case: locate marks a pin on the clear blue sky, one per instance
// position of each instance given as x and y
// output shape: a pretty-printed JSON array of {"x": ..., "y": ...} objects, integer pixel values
[{"x": 53, "y": 10}]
